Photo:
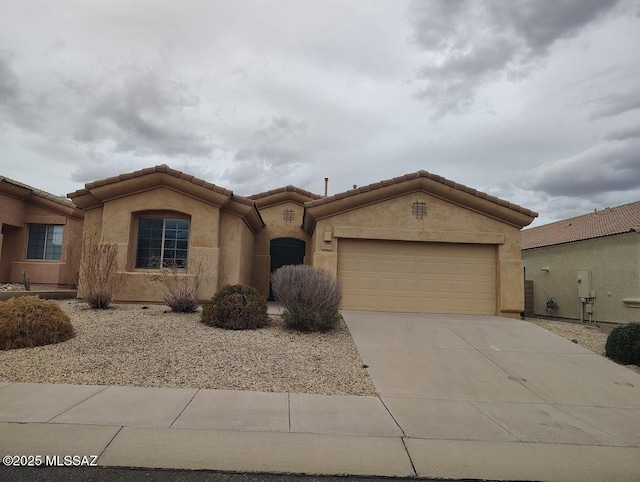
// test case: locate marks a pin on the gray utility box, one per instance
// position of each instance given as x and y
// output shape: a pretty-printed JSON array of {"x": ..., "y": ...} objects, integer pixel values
[{"x": 585, "y": 286}]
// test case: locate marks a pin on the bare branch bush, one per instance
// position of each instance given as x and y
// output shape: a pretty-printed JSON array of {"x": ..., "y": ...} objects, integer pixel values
[
  {"x": 311, "y": 297},
  {"x": 100, "y": 280},
  {"x": 179, "y": 290}
]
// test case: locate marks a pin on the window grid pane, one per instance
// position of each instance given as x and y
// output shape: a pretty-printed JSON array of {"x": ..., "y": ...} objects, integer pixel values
[
  {"x": 45, "y": 242},
  {"x": 158, "y": 243}
]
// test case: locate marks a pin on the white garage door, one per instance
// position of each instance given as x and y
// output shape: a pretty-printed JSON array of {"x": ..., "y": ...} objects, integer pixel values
[{"x": 416, "y": 276}]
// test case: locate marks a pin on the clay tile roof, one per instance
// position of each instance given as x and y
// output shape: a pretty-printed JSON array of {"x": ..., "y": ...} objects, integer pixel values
[
  {"x": 415, "y": 175},
  {"x": 150, "y": 170},
  {"x": 606, "y": 222},
  {"x": 285, "y": 189},
  {"x": 38, "y": 192}
]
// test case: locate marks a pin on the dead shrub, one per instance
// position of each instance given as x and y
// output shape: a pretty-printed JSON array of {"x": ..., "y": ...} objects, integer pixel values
[
  {"x": 100, "y": 280},
  {"x": 311, "y": 297},
  {"x": 179, "y": 289},
  {"x": 236, "y": 307},
  {"x": 29, "y": 321}
]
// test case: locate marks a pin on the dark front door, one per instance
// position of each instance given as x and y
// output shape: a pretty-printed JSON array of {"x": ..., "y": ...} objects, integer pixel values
[{"x": 285, "y": 251}]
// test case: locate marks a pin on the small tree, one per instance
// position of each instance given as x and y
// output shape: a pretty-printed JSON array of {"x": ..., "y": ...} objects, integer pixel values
[
  {"x": 100, "y": 280},
  {"x": 178, "y": 289},
  {"x": 311, "y": 297}
]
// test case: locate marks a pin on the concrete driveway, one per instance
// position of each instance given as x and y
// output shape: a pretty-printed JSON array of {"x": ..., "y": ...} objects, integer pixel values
[{"x": 497, "y": 384}]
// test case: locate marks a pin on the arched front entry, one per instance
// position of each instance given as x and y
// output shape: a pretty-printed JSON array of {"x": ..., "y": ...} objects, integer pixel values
[{"x": 285, "y": 251}]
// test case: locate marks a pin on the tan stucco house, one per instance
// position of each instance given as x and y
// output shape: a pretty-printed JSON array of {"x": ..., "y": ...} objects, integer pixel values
[
  {"x": 588, "y": 265},
  {"x": 41, "y": 235},
  {"x": 413, "y": 243}
]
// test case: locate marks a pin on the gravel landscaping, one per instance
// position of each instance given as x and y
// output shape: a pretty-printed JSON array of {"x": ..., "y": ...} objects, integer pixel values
[
  {"x": 149, "y": 346},
  {"x": 592, "y": 337},
  {"x": 152, "y": 347}
]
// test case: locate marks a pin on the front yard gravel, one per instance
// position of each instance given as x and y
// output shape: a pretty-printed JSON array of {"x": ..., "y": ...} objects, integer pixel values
[
  {"x": 131, "y": 346},
  {"x": 592, "y": 337}
]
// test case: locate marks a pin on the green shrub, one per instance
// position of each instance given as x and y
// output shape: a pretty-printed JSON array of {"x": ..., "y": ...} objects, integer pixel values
[
  {"x": 311, "y": 297},
  {"x": 623, "y": 344},
  {"x": 29, "y": 321},
  {"x": 236, "y": 307}
]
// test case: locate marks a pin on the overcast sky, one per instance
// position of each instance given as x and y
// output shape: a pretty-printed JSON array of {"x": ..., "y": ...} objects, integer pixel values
[{"x": 537, "y": 102}]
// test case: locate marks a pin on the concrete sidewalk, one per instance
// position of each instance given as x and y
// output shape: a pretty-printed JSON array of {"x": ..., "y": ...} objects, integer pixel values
[
  {"x": 280, "y": 433},
  {"x": 460, "y": 397}
]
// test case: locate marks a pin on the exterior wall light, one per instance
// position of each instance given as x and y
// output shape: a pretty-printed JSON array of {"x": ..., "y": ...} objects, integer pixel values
[{"x": 545, "y": 269}]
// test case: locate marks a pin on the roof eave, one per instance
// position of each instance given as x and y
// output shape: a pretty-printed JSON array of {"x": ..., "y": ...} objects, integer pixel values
[{"x": 347, "y": 201}]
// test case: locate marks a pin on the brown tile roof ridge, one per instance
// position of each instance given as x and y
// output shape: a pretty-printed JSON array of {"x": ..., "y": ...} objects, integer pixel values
[
  {"x": 243, "y": 199},
  {"x": 415, "y": 175},
  {"x": 39, "y": 192},
  {"x": 150, "y": 170},
  {"x": 288, "y": 188},
  {"x": 597, "y": 224}
]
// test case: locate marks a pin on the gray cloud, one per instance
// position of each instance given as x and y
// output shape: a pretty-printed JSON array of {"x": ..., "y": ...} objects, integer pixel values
[
  {"x": 289, "y": 92},
  {"x": 275, "y": 149},
  {"x": 143, "y": 115},
  {"x": 278, "y": 141},
  {"x": 8, "y": 82},
  {"x": 631, "y": 132},
  {"x": 16, "y": 107},
  {"x": 99, "y": 168},
  {"x": 615, "y": 104},
  {"x": 469, "y": 42},
  {"x": 610, "y": 166}
]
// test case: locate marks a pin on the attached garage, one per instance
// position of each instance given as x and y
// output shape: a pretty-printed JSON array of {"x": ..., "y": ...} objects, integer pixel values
[
  {"x": 421, "y": 243},
  {"x": 417, "y": 276}
]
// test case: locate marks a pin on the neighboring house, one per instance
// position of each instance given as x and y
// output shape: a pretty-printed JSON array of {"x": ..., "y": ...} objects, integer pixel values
[
  {"x": 589, "y": 265},
  {"x": 413, "y": 243},
  {"x": 41, "y": 234}
]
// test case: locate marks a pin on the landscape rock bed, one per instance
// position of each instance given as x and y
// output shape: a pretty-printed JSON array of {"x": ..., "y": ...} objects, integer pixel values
[
  {"x": 130, "y": 346},
  {"x": 590, "y": 336}
]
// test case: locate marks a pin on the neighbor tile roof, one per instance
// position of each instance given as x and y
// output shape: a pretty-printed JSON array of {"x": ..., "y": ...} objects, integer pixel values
[
  {"x": 428, "y": 175},
  {"x": 606, "y": 222},
  {"x": 39, "y": 192}
]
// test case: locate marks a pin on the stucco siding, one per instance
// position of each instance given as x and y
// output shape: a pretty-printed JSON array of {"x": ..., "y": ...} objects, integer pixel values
[
  {"x": 443, "y": 222},
  {"x": 276, "y": 226},
  {"x": 117, "y": 222},
  {"x": 615, "y": 265},
  {"x": 236, "y": 250},
  {"x": 13, "y": 210}
]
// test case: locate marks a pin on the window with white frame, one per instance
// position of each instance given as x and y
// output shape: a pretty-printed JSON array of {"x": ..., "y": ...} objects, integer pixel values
[
  {"x": 162, "y": 243},
  {"x": 45, "y": 242}
]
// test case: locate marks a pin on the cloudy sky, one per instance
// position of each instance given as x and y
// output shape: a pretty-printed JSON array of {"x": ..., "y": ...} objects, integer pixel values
[{"x": 537, "y": 102}]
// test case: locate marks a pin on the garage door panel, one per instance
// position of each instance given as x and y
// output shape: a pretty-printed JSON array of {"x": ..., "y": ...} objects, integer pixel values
[{"x": 414, "y": 276}]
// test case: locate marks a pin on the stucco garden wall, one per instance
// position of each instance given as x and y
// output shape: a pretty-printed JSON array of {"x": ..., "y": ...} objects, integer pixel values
[
  {"x": 615, "y": 265},
  {"x": 443, "y": 222}
]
